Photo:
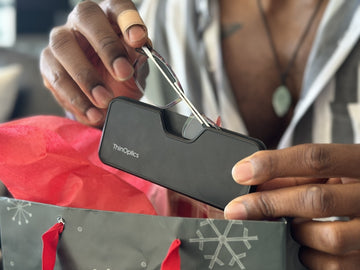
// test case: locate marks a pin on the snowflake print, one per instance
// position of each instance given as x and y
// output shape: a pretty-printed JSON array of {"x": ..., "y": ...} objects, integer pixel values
[
  {"x": 21, "y": 214},
  {"x": 224, "y": 241}
]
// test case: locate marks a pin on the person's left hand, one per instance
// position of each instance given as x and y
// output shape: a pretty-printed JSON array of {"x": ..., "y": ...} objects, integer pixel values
[{"x": 305, "y": 182}]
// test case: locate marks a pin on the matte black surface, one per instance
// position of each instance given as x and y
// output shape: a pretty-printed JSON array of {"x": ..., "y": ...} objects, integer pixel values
[{"x": 144, "y": 140}]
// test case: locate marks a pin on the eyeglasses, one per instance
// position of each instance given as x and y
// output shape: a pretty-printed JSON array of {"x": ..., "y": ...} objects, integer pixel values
[{"x": 143, "y": 70}]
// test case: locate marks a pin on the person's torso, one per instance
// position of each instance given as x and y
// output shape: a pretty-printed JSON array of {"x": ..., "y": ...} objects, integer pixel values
[
  {"x": 187, "y": 34},
  {"x": 250, "y": 61}
]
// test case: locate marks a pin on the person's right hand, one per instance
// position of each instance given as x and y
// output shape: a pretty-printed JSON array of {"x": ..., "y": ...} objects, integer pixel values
[{"x": 89, "y": 60}]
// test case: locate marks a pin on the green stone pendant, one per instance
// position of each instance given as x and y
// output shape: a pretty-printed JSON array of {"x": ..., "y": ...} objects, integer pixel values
[{"x": 281, "y": 101}]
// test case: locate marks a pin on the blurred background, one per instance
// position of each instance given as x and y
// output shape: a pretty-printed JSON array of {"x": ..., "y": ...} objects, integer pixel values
[{"x": 24, "y": 32}]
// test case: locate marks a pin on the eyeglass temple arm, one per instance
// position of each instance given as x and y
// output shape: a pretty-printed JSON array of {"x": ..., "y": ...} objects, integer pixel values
[{"x": 175, "y": 86}]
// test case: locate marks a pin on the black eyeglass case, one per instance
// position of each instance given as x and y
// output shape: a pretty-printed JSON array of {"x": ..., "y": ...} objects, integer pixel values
[{"x": 146, "y": 141}]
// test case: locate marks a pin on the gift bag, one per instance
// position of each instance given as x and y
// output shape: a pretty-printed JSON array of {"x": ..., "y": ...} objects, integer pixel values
[
  {"x": 103, "y": 240},
  {"x": 72, "y": 212}
]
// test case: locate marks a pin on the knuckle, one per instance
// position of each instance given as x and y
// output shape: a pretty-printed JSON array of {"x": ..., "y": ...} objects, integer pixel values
[
  {"x": 335, "y": 240},
  {"x": 58, "y": 76},
  {"x": 122, "y": 5},
  {"x": 271, "y": 166},
  {"x": 85, "y": 78},
  {"x": 79, "y": 102},
  {"x": 83, "y": 10},
  {"x": 317, "y": 158},
  {"x": 108, "y": 43},
  {"x": 56, "y": 79},
  {"x": 320, "y": 200},
  {"x": 266, "y": 165},
  {"x": 44, "y": 53},
  {"x": 59, "y": 38},
  {"x": 44, "y": 58},
  {"x": 266, "y": 205}
]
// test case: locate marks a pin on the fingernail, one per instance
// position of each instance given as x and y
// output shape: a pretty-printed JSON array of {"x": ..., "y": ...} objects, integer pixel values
[
  {"x": 136, "y": 33},
  {"x": 94, "y": 115},
  {"x": 102, "y": 96},
  {"x": 242, "y": 172},
  {"x": 122, "y": 68},
  {"x": 235, "y": 210}
]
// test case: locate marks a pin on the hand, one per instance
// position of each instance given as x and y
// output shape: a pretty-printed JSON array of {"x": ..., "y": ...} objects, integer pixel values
[
  {"x": 307, "y": 181},
  {"x": 89, "y": 60}
]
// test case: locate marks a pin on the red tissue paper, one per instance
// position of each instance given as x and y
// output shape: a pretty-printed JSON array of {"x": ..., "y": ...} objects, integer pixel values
[{"x": 54, "y": 160}]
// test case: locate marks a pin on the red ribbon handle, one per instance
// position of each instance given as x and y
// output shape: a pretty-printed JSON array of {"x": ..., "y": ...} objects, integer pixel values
[
  {"x": 50, "y": 239},
  {"x": 50, "y": 242},
  {"x": 172, "y": 260}
]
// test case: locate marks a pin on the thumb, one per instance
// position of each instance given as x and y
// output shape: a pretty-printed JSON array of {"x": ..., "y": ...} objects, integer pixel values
[{"x": 307, "y": 160}]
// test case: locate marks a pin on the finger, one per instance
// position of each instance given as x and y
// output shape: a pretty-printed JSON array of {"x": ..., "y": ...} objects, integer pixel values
[
  {"x": 89, "y": 20},
  {"x": 337, "y": 237},
  {"x": 307, "y": 201},
  {"x": 347, "y": 180},
  {"x": 66, "y": 92},
  {"x": 308, "y": 160},
  {"x": 124, "y": 88},
  {"x": 317, "y": 260},
  {"x": 65, "y": 48},
  {"x": 278, "y": 183},
  {"x": 126, "y": 17}
]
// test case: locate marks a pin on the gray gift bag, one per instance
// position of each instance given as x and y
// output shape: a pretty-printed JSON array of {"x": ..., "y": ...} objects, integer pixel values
[{"x": 103, "y": 240}]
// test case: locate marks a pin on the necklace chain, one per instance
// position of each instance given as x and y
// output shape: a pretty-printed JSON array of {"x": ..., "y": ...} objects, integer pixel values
[
  {"x": 285, "y": 73},
  {"x": 282, "y": 98}
]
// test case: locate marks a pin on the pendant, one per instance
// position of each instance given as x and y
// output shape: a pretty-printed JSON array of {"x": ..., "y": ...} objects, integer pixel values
[{"x": 281, "y": 101}]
